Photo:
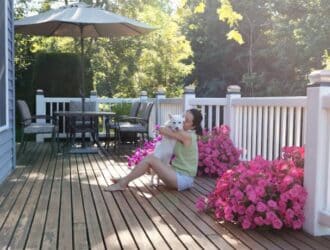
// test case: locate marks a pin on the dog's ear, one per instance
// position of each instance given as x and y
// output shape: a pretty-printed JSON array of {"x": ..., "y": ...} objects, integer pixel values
[{"x": 170, "y": 116}]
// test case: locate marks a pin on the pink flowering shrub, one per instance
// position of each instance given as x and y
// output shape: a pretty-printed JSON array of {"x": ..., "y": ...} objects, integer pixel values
[
  {"x": 217, "y": 152},
  {"x": 260, "y": 193},
  {"x": 147, "y": 148},
  {"x": 296, "y": 154}
]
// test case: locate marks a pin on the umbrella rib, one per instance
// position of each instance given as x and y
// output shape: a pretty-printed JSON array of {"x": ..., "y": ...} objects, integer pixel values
[
  {"x": 131, "y": 28},
  {"x": 56, "y": 27}
]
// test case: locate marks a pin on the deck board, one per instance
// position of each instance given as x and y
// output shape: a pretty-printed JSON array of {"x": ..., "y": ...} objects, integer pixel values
[{"x": 56, "y": 201}]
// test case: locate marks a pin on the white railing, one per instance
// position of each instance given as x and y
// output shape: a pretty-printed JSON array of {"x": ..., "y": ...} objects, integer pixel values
[
  {"x": 212, "y": 110},
  {"x": 50, "y": 105},
  {"x": 262, "y": 126},
  {"x": 168, "y": 106},
  {"x": 259, "y": 126}
]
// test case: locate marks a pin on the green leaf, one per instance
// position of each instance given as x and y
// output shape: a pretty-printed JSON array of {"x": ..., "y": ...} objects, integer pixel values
[
  {"x": 236, "y": 36},
  {"x": 200, "y": 8}
]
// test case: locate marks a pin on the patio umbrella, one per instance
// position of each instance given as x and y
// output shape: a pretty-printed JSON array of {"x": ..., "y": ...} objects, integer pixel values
[{"x": 80, "y": 20}]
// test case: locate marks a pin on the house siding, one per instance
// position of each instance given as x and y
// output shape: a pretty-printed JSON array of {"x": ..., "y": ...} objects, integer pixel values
[{"x": 7, "y": 137}]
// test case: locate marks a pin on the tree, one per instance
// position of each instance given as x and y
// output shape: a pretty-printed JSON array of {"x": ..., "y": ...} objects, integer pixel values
[{"x": 125, "y": 66}]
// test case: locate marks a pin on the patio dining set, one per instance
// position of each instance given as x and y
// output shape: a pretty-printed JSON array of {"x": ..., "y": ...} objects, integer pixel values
[{"x": 81, "y": 121}]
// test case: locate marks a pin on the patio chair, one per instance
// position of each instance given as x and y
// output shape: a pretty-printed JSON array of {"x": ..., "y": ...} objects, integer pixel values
[
  {"x": 113, "y": 124},
  {"x": 81, "y": 124},
  {"x": 136, "y": 125},
  {"x": 30, "y": 125}
]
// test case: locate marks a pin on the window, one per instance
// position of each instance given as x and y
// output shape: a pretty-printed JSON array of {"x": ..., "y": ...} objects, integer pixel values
[{"x": 3, "y": 67}]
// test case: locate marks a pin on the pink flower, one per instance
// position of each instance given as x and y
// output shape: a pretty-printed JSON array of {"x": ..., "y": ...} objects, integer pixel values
[
  {"x": 272, "y": 204},
  {"x": 246, "y": 224},
  {"x": 259, "y": 221},
  {"x": 289, "y": 213},
  {"x": 297, "y": 224},
  {"x": 200, "y": 204},
  {"x": 250, "y": 210},
  {"x": 239, "y": 195},
  {"x": 277, "y": 223},
  {"x": 252, "y": 196},
  {"x": 261, "y": 207}
]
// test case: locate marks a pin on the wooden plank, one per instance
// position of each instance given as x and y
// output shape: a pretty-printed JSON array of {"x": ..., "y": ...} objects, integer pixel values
[
  {"x": 157, "y": 220},
  {"x": 17, "y": 204},
  {"x": 293, "y": 241},
  {"x": 299, "y": 235},
  {"x": 234, "y": 229},
  {"x": 150, "y": 222},
  {"x": 176, "y": 227},
  {"x": 138, "y": 233},
  {"x": 145, "y": 221},
  {"x": 10, "y": 188},
  {"x": 125, "y": 237},
  {"x": 221, "y": 231},
  {"x": 38, "y": 223},
  {"x": 191, "y": 229},
  {"x": 65, "y": 227},
  {"x": 49, "y": 239},
  {"x": 278, "y": 240},
  {"x": 80, "y": 237},
  {"x": 10, "y": 182},
  {"x": 93, "y": 228},
  {"x": 29, "y": 213},
  {"x": 108, "y": 231},
  {"x": 194, "y": 217}
]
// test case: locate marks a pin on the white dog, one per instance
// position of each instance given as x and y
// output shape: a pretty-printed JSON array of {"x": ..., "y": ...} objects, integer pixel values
[{"x": 164, "y": 148}]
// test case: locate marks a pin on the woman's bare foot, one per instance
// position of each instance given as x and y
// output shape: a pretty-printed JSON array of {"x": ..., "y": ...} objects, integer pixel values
[
  {"x": 115, "y": 180},
  {"x": 116, "y": 186}
]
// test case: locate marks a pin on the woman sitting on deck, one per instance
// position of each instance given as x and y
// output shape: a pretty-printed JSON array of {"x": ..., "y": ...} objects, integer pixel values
[{"x": 183, "y": 168}]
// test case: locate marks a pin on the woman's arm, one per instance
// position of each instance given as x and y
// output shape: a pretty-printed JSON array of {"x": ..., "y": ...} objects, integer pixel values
[{"x": 181, "y": 135}]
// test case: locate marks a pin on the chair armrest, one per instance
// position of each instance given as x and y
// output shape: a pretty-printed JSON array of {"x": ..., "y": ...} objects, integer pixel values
[
  {"x": 129, "y": 118},
  {"x": 48, "y": 117}
]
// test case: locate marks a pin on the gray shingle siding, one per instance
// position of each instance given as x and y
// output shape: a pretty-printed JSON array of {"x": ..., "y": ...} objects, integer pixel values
[{"x": 7, "y": 137}]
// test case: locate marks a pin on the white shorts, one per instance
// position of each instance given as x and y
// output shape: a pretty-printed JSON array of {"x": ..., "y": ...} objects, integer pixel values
[{"x": 184, "y": 181}]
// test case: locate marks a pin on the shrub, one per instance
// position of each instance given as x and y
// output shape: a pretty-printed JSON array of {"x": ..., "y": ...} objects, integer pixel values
[
  {"x": 260, "y": 193},
  {"x": 147, "y": 148},
  {"x": 217, "y": 152}
]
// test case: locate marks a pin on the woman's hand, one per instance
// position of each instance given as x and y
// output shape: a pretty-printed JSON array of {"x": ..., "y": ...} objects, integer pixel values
[{"x": 181, "y": 135}]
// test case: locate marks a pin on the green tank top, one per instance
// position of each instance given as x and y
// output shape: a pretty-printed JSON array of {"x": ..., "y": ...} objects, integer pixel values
[{"x": 186, "y": 158}]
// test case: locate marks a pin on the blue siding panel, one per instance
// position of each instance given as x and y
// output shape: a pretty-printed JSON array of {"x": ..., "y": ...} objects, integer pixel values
[{"x": 7, "y": 137}]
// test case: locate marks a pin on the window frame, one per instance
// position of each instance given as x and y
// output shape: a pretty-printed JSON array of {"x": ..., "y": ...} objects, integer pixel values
[{"x": 5, "y": 126}]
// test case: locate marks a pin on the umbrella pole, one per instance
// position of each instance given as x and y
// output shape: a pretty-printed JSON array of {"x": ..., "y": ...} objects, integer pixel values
[{"x": 82, "y": 67}]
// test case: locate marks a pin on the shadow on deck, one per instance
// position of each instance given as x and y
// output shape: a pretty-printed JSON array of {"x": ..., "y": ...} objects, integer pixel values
[{"x": 56, "y": 201}]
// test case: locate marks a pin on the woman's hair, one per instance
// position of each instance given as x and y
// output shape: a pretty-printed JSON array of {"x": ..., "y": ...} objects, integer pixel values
[{"x": 197, "y": 120}]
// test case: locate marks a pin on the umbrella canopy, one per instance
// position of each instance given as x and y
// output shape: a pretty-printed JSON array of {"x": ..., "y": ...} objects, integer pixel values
[{"x": 80, "y": 20}]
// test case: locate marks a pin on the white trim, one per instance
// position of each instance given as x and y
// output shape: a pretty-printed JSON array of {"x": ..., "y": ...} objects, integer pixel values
[{"x": 6, "y": 126}]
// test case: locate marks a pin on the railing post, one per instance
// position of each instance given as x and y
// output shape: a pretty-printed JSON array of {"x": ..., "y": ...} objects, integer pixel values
[
  {"x": 188, "y": 94},
  {"x": 93, "y": 98},
  {"x": 143, "y": 96},
  {"x": 317, "y": 167},
  {"x": 159, "y": 95},
  {"x": 40, "y": 110},
  {"x": 233, "y": 92}
]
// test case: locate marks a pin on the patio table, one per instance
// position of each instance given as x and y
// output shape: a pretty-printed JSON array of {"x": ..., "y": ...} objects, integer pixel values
[{"x": 89, "y": 124}]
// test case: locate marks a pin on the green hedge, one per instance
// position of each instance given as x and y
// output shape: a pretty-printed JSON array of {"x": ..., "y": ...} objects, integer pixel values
[{"x": 59, "y": 74}]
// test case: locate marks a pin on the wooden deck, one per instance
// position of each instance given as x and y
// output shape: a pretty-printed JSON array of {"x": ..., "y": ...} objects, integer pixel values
[{"x": 55, "y": 201}]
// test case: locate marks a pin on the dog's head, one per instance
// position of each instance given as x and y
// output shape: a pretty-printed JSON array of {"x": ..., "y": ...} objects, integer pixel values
[{"x": 175, "y": 122}]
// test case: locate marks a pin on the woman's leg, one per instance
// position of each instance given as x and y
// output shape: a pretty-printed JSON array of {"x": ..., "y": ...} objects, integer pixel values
[{"x": 165, "y": 173}]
